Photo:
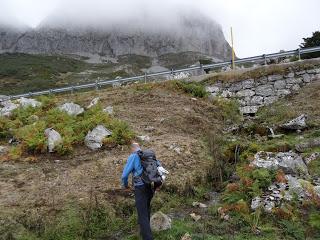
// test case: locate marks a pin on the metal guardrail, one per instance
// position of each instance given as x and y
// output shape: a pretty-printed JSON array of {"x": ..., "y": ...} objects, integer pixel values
[{"x": 97, "y": 85}]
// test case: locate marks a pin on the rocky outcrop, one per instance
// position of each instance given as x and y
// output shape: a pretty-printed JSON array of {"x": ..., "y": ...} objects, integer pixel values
[
  {"x": 289, "y": 162},
  {"x": 94, "y": 138},
  {"x": 304, "y": 146},
  {"x": 160, "y": 221},
  {"x": 255, "y": 93},
  {"x": 193, "y": 33},
  {"x": 71, "y": 109}
]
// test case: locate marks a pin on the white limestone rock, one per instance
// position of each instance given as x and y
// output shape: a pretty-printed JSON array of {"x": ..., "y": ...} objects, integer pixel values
[
  {"x": 71, "y": 108},
  {"x": 54, "y": 139},
  {"x": 94, "y": 138}
]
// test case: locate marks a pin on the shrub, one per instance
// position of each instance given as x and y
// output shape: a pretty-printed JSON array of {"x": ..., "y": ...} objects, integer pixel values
[
  {"x": 193, "y": 88},
  {"x": 229, "y": 109},
  {"x": 32, "y": 137}
]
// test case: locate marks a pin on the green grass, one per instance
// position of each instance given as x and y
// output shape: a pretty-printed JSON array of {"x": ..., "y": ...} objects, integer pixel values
[
  {"x": 28, "y": 125},
  {"x": 34, "y": 72}
]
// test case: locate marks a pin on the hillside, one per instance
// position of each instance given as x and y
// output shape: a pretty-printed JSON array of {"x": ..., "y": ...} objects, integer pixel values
[{"x": 206, "y": 144}]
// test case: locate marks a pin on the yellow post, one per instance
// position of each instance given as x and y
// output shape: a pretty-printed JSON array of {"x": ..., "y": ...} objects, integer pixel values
[{"x": 233, "y": 55}]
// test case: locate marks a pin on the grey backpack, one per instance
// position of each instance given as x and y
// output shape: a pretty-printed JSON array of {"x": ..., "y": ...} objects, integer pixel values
[{"x": 150, "y": 167}]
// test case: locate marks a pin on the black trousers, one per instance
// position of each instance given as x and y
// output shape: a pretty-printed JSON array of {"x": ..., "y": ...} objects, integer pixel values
[{"x": 143, "y": 195}]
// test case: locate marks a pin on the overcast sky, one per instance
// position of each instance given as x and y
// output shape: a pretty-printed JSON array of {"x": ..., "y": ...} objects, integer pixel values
[{"x": 260, "y": 26}]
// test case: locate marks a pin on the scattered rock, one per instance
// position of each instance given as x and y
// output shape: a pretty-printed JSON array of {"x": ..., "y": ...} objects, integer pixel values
[
  {"x": 93, "y": 102},
  {"x": 160, "y": 221},
  {"x": 200, "y": 205},
  {"x": 8, "y": 107},
  {"x": 303, "y": 147},
  {"x": 186, "y": 236},
  {"x": 149, "y": 129},
  {"x": 249, "y": 110},
  {"x": 94, "y": 138},
  {"x": 175, "y": 147},
  {"x": 3, "y": 150},
  {"x": 289, "y": 162},
  {"x": 71, "y": 109},
  {"x": 317, "y": 190},
  {"x": 195, "y": 217},
  {"x": 108, "y": 110},
  {"x": 144, "y": 138},
  {"x": 54, "y": 139},
  {"x": 28, "y": 102},
  {"x": 298, "y": 123},
  {"x": 256, "y": 203}
]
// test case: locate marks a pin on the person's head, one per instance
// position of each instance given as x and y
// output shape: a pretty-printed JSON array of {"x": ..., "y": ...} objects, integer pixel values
[{"x": 135, "y": 147}]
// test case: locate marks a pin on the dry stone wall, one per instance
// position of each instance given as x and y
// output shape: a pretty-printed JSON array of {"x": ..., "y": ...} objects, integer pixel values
[{"x": 255, "y": 93}]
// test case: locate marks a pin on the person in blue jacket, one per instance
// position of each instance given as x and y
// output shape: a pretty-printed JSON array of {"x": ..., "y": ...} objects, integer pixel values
[{"x": 143, "y": 192}]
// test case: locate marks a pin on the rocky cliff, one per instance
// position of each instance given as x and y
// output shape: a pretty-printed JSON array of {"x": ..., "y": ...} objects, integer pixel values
[{"x": 188, "y": 34}]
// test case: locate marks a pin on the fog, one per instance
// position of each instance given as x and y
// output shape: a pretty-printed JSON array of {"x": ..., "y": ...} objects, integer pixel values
[{"x": 262, "y": 26}]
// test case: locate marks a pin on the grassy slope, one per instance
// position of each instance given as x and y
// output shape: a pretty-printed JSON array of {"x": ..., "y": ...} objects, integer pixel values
[{"x": 85, "y": 179}]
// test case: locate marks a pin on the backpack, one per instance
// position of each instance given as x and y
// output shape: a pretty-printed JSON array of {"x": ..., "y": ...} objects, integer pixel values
[{"x": 149, "y": 163}]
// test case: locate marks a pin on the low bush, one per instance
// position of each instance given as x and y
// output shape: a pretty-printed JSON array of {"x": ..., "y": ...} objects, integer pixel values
[{"x": 193, "y": 88}]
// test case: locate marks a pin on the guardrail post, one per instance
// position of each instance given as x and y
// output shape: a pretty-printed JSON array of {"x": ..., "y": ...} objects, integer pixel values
[
  {"x": 72, "y": 90},
  {"x": 299, "y": 54},
  {"x": 145, "y": 77},
  {"x": 265, "y": 59},
  {"x": 30, "y": 94},
  {"x": 97, "y": 85},
  {"x": 50, "y": 92}
]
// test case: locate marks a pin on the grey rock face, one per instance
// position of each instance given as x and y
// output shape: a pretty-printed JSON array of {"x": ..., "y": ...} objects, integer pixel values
[
  {"x": 54, "y": 139},
  {"x": 289, "y": 162},
  {"x": 160, "y": 221},
  {"x": 245, "y": 93},
  {"x": 298, "y": 123},
  {"x": 194, "y": 33},
  {"x": 94, "y": 138},
  {"x": 71, "y": 109}
]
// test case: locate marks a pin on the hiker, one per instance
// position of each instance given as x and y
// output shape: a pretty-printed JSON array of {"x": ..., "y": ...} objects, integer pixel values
[{"x": 146, "y": 180}]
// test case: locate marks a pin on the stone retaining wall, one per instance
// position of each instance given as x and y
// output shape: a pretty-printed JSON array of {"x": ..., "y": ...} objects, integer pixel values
[{"x": 254, "y": 93}]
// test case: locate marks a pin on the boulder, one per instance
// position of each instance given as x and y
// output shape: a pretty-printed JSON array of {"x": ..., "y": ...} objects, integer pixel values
[
  {"x": 270, "y": 100},
  {"x": 289, "y": 162},
  {"x": 94, "y": 138},
  {"x": 298, "y": 123},
  {"x": 54, "y": 139},
  {"x": 28, "y": 102},
  {"x": 8, "y": 107},
  {"x": 160, "y": 221},
  {"x": 108, "y": 110},
  {"x": 93, "y": 102},
  {"x": 272, "y": 78},
  {"x": 305, "y": 146},
  {"x": 71, "y": 109},
  {"x": 256, "y": 100}
]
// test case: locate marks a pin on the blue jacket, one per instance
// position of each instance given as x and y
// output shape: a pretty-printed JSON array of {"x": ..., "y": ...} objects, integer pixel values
[{"x": 133, "y": 166}]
